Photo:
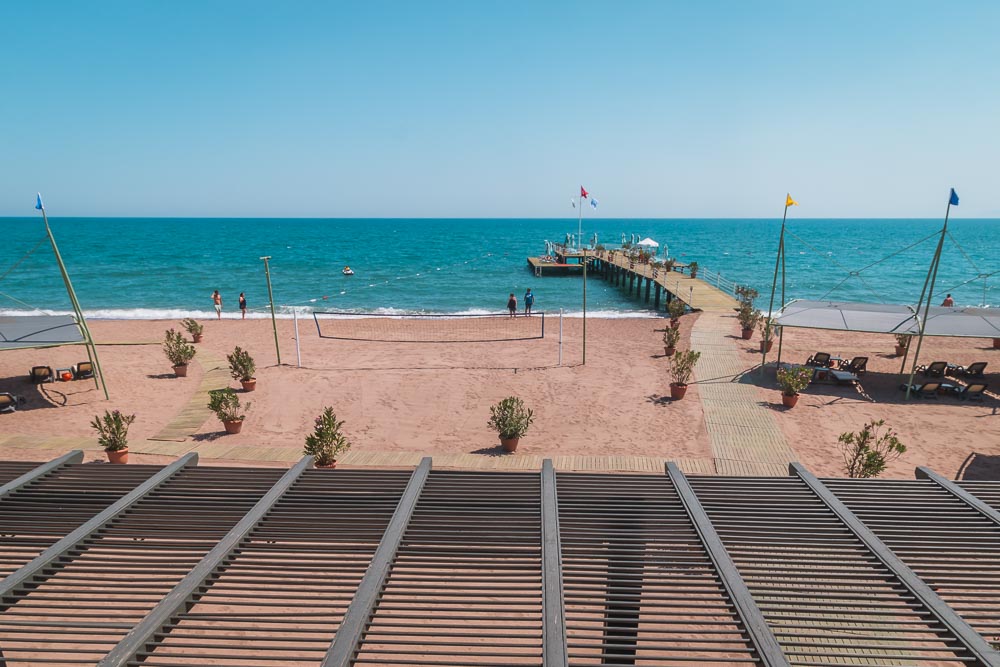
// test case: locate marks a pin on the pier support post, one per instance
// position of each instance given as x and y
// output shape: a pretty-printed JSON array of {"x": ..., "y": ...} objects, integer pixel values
[
  {"x": 631, "y": 282},
  {"x": 656, "y": 303},
  {"x": 647, "y": 289}
]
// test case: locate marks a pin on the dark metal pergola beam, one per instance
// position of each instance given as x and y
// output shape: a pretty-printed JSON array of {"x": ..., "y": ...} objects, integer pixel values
[
  {"x": 352, "y": 626},
  {"x": 25, "y": 574},
  {"x": 554, "y": 651},
  {"x": 954, "y": 489},
  {"x": 972, "y": 641},
  {"x": 183, "y": 594},
  {"x": 75, "y": 456},
  {"x": 763, "y": 639}
]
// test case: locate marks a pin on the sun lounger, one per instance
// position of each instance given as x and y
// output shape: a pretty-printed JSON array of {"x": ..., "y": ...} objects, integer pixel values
[
  {"x": 857, "y": 365},
  {"x": 925, "y": 390},
  {"x": 9, "y": 402},
  {"x": 40, "y": 374},
  {"x": 975, "y": 370},
  {"x": 843, "y": 377},
  {"x": 935, "y": 370},
  {"x": 821, "y": 359},
  {"x": 971, "y": 392},
  {"x": 83, "y": 370}
]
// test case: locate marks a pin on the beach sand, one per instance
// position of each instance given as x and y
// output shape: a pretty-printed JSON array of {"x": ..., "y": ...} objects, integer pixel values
[{"x": 434, "y": 398}]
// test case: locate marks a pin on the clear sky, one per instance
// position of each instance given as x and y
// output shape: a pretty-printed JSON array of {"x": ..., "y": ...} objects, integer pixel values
[{"x": 499, "y": 108}]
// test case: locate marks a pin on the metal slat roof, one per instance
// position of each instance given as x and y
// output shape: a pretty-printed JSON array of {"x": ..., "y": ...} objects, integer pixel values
[{"x": 185, "y": 566}]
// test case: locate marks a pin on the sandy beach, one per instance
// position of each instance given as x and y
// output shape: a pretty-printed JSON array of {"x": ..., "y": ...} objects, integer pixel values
[{"x": 434, "y": 398}]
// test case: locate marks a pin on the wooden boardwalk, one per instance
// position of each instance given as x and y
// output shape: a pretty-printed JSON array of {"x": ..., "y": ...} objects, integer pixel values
[
  {"x": 695, "y": 292},
  {"x": 191, "y": 418}
]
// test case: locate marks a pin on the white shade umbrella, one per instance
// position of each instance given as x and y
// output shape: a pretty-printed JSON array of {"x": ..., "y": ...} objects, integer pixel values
[{"x": 649, "y": 243}]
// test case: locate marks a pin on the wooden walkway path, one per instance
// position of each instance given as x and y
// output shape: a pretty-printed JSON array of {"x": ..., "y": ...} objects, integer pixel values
[
  {"x": 745, "y": 438},
  {"x": 191, "y": 418},
  {"x": 695, "y": 292}
]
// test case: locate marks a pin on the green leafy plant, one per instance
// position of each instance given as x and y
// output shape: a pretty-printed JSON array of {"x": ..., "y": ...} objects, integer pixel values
[
  {"x": 870, "y": 450},
  {"x": 793, "y": 379},
  {"x": 671, "y": 336},
  {"x": 675, "y": 308},
  {"x": 693, "y": 268},
  {"x": 668, "y": 264},
  {"x": 241, "y": 365},
  {"x": 225, "y": 403},
  {"x": 192, "y": 327},
  {"x": 510, "y": 418},
  {"x": 746, "y": 294},
  {"x": 767, "y": 328},
  {"x": 748, "y": 316},
  {"x": 112, "y": 430},
  {"x": 682, "y": 366},
  {"x": 327, "y": 441},
  {"x": 178, "y": 351}
]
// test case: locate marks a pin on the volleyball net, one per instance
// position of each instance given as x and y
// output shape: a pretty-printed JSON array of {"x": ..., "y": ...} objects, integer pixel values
[{"x": 429, "y": 328}]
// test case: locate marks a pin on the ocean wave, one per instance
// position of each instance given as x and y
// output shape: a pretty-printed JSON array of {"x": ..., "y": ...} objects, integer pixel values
[{"x": 289, "y": 312}]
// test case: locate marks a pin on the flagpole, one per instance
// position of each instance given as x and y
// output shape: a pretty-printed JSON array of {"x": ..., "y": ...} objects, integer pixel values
[
  {"x": 778, "y": 261},
  {"x": 929, "y": 289},
  {"x": 584, "y": 308},
  {"x": 270, "y": 298},
  {"x": 579, "y": 220},
  {"x": 81, "y": 320}
]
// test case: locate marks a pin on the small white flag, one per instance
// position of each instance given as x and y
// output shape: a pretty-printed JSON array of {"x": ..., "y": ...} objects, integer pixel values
[{"x": 572, "y": 202}]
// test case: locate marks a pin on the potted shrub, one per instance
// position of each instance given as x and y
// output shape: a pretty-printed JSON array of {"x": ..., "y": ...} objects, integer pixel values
[
  {"x": 749, "y": 317},
  {"x": 693, "y": 267},
  {"x": 226, "y": 406},
  {"x": 242, "y": 368},
  {"x": 112, "y": 434},
  {"x": 676, "y": 309},
  {"x": 792, "y": 380},
  {"x": 870, "y": 450},
  {"x": 668, "y": 264},
  {"x": 510, "y": 419},
  {"x": 178, "y": 351},
  {"x": 670, "y": 338},
  {"x": 327, "y": 441},
  {"x": 681, "y": 368},
  {"x": 193, "y": 328},
  {"x": 767, "y": 333},
  {"x": 902, "y": 342}
]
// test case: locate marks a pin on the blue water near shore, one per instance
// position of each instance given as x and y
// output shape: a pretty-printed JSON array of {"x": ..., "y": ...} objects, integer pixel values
[{"x": 166, "y": 268}]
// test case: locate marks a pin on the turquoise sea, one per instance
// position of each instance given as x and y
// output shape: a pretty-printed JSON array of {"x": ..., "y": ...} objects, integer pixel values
[{"x": 167, "y": 268}]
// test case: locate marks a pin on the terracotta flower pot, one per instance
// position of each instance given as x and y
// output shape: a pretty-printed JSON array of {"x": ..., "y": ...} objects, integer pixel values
[
  {"x": 197, "y": 338},
  {"x": 669, "y": 351},
  {"x": 900, "y": 350},
  {"x": 509, "y": 444},
  {"x": 119, "y": 456},
  {"x": 675, "y": 324},
  {"x": 765, "y": 346},
  {"x": 327, "y": 466},
  {"x": 789, "y": 401},
  {"x": 747, "y": 334},
  {"x": 233, "y": 426},
  {"x": 181, "y": 371},
  {"x": 249, "y": 385},
  {"x": 996, "y": 343},
  {"x": 677, "y": 391}
]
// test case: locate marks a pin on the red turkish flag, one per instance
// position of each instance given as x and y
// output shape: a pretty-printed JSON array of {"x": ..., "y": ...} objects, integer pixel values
[{"x": 583, "y": 193}]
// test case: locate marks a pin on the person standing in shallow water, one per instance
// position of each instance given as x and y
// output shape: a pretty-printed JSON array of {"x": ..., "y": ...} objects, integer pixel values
[
  {"x": 529, "y": 301},
  {"x": 243, "y": 305},
  {"x": 948, "y": 302},
  {"x": 512, "y": 304},
  {"x": 217, "y": 300}
]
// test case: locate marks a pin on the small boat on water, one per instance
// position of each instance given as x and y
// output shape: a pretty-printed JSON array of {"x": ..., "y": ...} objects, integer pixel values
[{"x": 347, "y": 271}]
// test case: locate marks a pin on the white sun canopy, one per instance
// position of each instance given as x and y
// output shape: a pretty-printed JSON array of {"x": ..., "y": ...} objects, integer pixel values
[
  {"x": 890, "y": 319},
  {"x": 649, "y": 243},
  {"x": 26, "y": 331}
]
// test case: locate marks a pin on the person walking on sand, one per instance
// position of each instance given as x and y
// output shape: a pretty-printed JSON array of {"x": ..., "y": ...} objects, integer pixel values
[
  {"x": 512, "y": 305},
  {"x": 243, "y": 305},
  {"x": 948, "y": 302},
  {"x": 529, "y": 300},
  {"x": 217, "y": 300}
]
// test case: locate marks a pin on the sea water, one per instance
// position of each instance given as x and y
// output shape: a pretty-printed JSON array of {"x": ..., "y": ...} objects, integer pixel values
[{"x": 167, "y": 268}]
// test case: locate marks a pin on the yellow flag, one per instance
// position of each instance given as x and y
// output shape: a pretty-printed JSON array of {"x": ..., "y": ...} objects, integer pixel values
[{"x": 789, "y": 201}]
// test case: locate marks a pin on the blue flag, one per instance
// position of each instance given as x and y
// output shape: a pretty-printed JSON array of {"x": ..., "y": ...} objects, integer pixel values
[
  {"x": 954, "y": 198},
  {"x": 41, "y": 207},
  {"x": 593, "y": 202}
]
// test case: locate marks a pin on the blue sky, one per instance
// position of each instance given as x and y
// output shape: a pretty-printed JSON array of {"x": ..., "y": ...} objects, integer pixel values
[{"x": 482, "y": 109}]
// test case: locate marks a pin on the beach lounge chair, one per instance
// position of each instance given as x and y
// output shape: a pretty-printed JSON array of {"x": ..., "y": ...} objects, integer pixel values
[
  {"x": 83, "y": 370},
  {"x": 821, "y": 359},
  {"x": 935, "y": 370},
  {"x": 40, "y": 374},
  {"x": 973, "y": 391},
  {"x": 925, "y": 390},
  {"x": 857, "y": 365},
  {"x": 9, "y": 403},
  {"x": 975, "y": 370}
]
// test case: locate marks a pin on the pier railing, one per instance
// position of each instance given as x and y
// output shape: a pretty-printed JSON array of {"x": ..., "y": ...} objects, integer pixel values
[{"x": 716, "y": 279}]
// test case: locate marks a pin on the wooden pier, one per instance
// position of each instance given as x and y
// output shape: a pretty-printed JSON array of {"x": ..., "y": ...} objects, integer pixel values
[{"x": 654, "y": 285}]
